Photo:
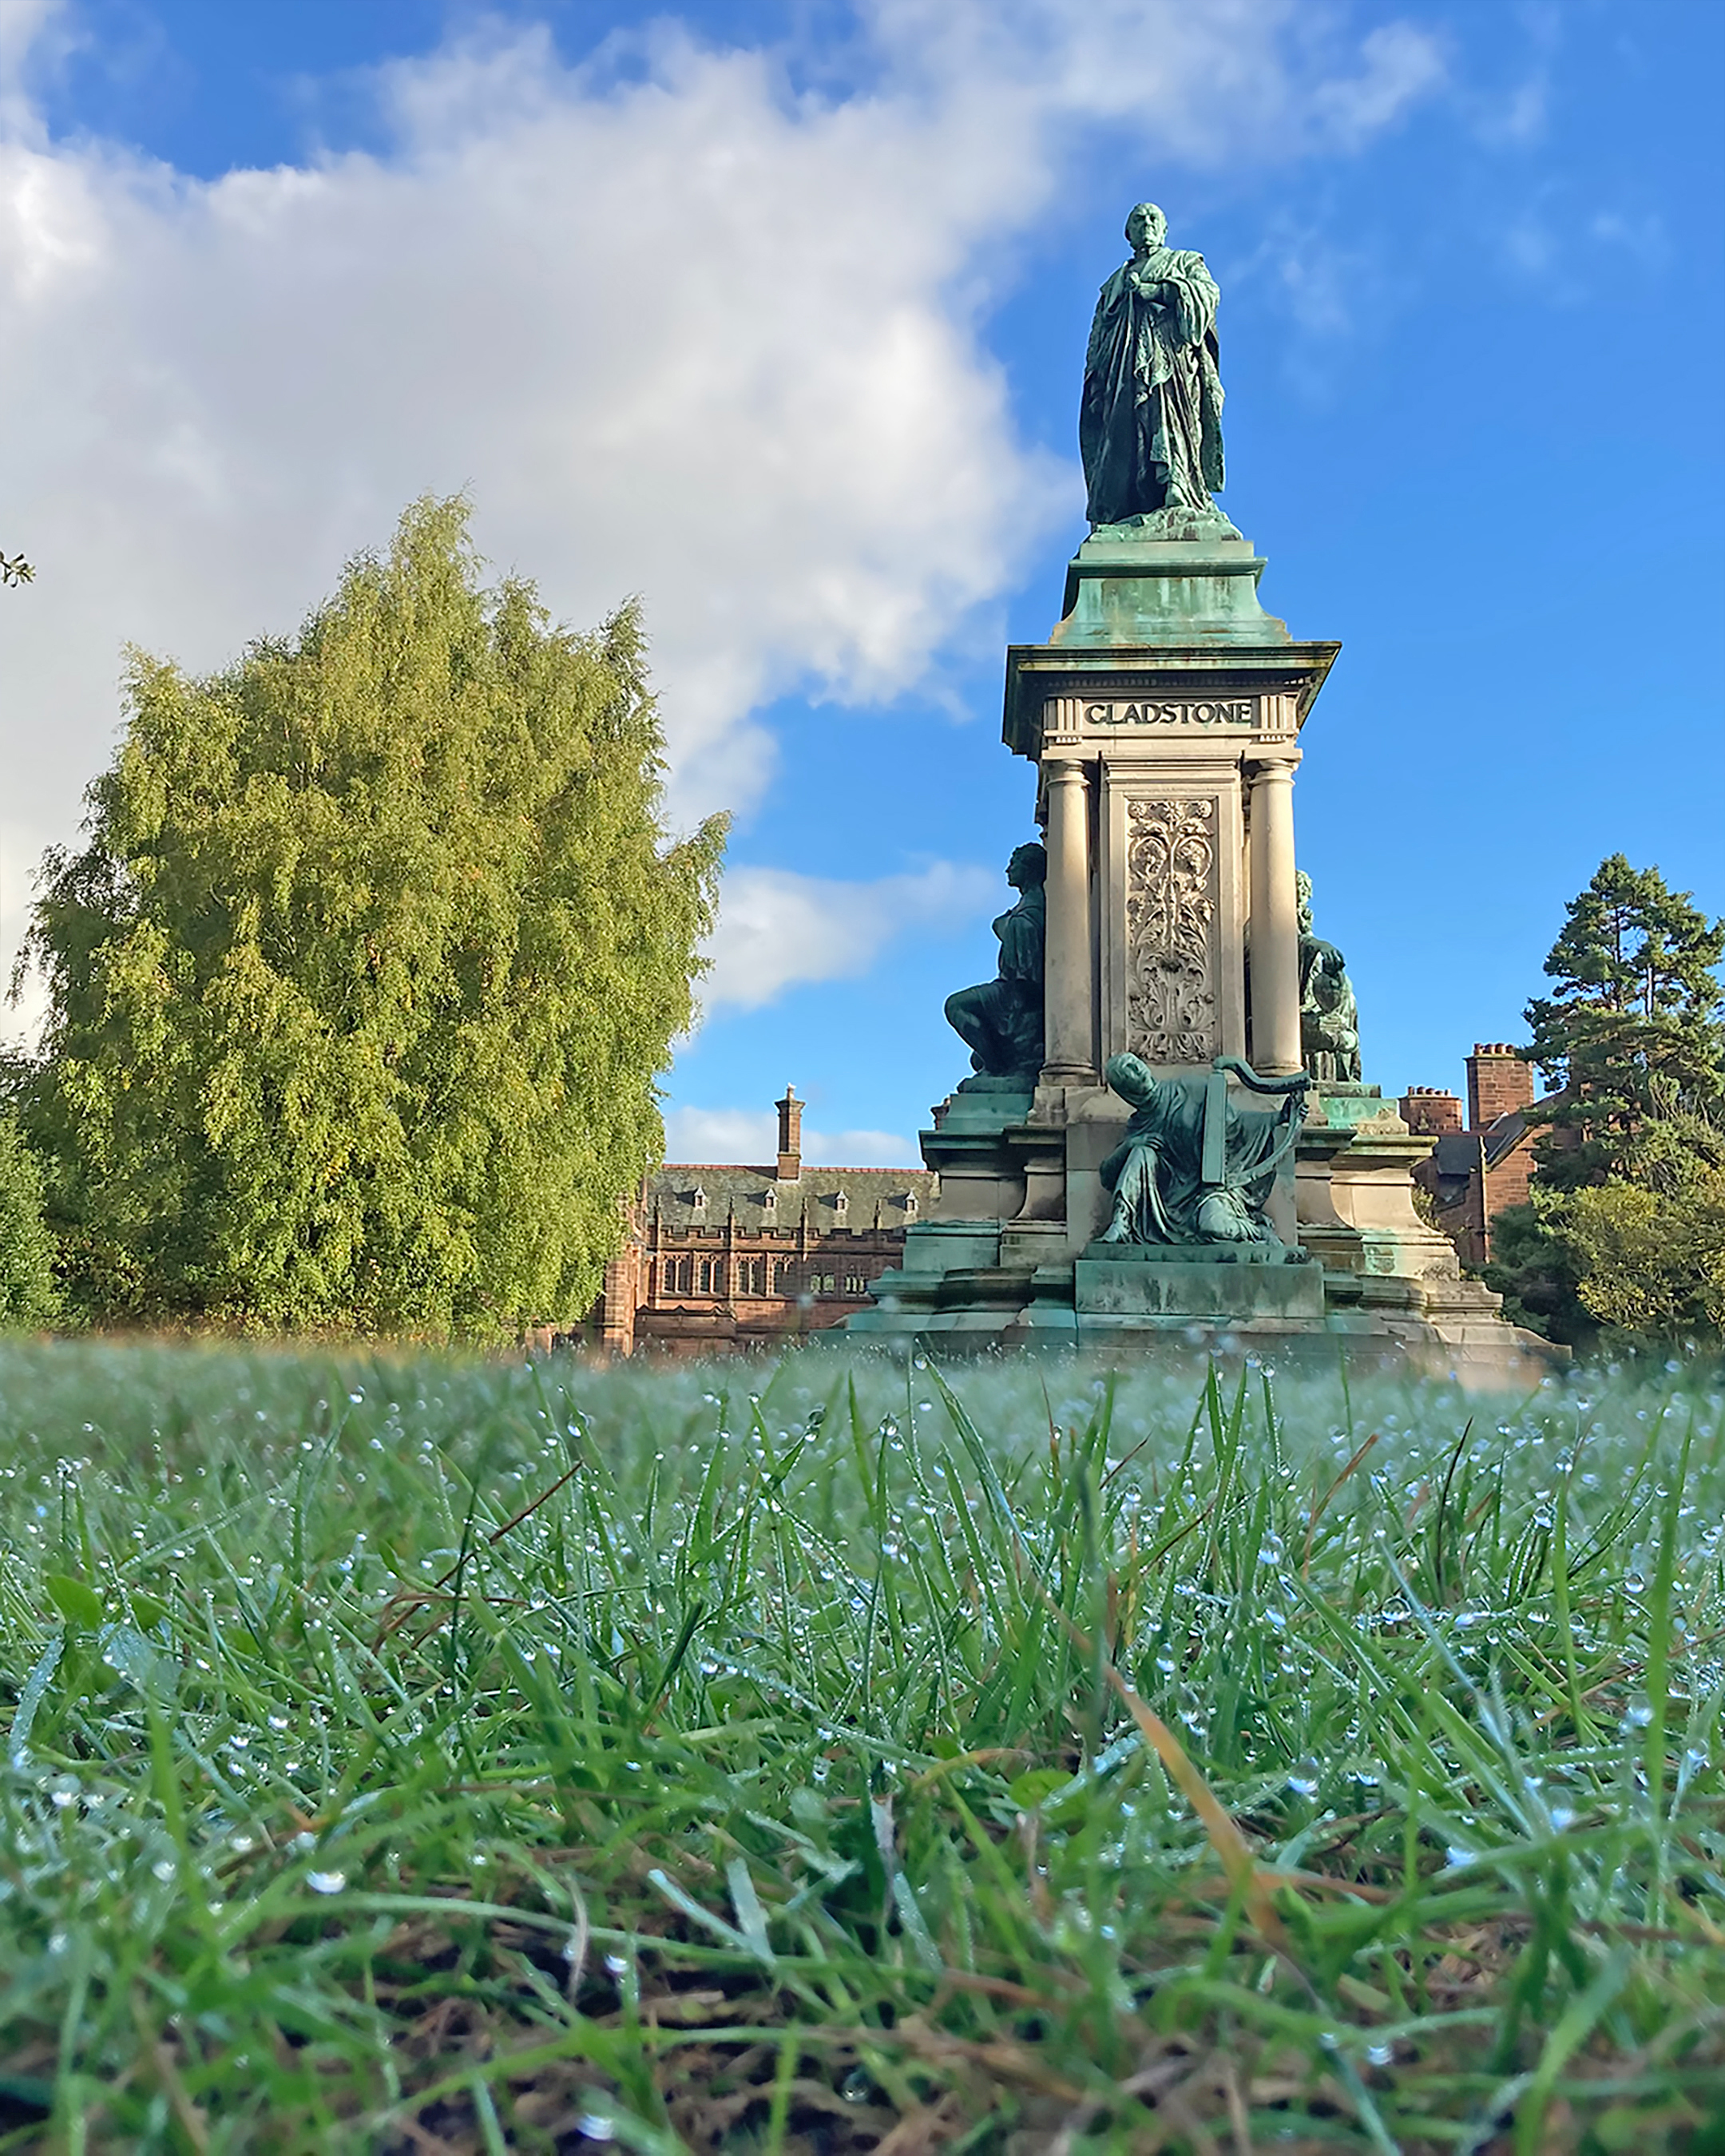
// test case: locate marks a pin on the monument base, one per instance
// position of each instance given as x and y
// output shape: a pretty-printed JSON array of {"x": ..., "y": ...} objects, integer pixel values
[
  {"x": 1176, "y": 1290},
  {"x": 1003, "y": 1263}
]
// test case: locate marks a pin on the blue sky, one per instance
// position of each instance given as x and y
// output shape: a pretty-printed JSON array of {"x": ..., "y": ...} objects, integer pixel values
[{"x": 776, "y": 314}]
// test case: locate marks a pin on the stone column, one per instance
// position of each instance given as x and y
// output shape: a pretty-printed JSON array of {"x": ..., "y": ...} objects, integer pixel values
[
  {"x": 1276, "y": 920},
  {"x": 1068, "y": 994}
]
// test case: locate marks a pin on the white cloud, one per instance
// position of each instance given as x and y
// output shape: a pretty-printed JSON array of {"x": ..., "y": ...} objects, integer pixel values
[
  {"x": 722, "y": 1136},
  {"x": 1399, "y": 66},
  {"x": 685, "y": 333},
  {"x": 777, "y": 929},
  {"x": 858, "y": 1149}
]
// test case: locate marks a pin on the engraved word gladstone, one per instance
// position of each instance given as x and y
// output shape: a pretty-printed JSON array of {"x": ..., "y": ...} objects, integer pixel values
[{"x": 1234, "y": 711}]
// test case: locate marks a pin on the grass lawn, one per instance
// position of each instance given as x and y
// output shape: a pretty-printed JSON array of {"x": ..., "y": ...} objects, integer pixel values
[{"x": 431, "y": 1757}]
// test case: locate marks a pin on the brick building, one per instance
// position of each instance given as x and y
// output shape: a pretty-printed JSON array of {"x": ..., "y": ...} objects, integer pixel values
[
  {"x": 1479, "y": 1169},
  {"x": 721, "y": 1257}
]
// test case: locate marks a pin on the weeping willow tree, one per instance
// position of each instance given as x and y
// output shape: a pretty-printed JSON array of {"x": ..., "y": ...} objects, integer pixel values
[{"x": 359, "y": 985}]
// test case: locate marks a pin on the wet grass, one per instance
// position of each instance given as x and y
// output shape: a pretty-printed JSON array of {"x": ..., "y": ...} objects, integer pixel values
[{"x": 426, "y": 1757}]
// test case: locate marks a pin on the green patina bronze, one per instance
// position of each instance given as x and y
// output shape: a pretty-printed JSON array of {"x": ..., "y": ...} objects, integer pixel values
[
  {"x": 1329, "y": 1015},
  {"x": 1195, "y": 1167},
  {"x": 1150, "y": 423},
  {"x": 1000, "y": 1021}
]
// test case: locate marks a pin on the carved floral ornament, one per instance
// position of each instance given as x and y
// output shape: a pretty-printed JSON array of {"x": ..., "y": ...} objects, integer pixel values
[{"x": 1172, "y": 898}]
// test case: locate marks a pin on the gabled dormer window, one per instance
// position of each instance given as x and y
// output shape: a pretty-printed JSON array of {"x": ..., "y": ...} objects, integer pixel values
[{"x": 697, "y": 1200}]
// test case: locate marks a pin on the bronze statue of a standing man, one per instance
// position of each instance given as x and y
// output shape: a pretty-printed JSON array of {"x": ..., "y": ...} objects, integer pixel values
[{"x": 1150, "y": 424}]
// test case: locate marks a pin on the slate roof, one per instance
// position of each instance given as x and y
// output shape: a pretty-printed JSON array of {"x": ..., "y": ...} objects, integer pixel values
[
  {"x": 1500, "y": 1137},
  {"x": 1456, "y": 1153},
  {"x": 754, "y": 1199},
  {"x": 1459, "y": 1154}
]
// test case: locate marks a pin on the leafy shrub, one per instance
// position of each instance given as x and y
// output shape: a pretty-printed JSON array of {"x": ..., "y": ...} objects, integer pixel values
[{"x": 28, "y": 1299}]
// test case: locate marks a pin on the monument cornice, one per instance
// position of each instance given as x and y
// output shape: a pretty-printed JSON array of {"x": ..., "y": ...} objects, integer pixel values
[{"x": 1178, "y": 690}]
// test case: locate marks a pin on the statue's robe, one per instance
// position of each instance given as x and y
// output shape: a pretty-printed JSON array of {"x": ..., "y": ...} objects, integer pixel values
[
  {"x": 1329, "y": 1015},
  {"x": 1150, "y": 423},
  {"x": 1000, "y": 1021},
  {"x": 1157, "y": 1175}
]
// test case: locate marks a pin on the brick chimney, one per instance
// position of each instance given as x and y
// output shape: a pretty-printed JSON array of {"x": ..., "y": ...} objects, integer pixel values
[
  {"x": 1498, "y": 1082},
  {"x": 1429, "y": 1111},
  {"x": 790, "y": 1135}
]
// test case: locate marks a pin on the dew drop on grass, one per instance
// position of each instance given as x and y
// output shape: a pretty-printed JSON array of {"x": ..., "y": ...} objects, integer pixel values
[
  {"x": 164, "y": 1867},
  {"x": 597, "y": 2126},
  {"x": 326, "y": 1882},
  {"x": 1380, "y": 2054},
  {"x": 615, "y": 1965}
]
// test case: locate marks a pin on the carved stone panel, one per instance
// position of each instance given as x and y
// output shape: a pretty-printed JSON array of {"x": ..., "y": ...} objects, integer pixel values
[{"x": 1173, "y": 898}]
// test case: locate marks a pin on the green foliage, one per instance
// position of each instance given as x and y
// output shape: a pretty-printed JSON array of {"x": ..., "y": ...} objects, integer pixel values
[
  {"x": 424, "y": 1754},
  {"x": 360, "y": 985},
  {"x": 1635, "y": 1002},
  {"x": 14, "y": 569},
  {"x": 1535, "y": 1268},
  {"x": 1651, "y": 1243},
  {"x": 29, "y": 1298},
  {"x": 1621, "y": 1229}
]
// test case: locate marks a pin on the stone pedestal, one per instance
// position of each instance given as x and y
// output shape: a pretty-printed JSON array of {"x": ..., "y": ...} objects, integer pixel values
[
  {"x": 1114, "y": 1288},
  {"x": 1163, "y": 717}
]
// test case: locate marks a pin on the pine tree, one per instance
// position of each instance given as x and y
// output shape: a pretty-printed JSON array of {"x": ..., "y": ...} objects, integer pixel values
[
  {"x": 359, "y": 986},
  {"x": 1636, "y": 1004},
  {"x": 1623, "y": 1225}
]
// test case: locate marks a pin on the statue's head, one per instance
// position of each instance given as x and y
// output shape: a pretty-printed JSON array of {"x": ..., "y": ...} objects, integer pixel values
[
  {"x": 1303, "y": 894},
  {"x": 1145, "y": 226},
  {"x": 1028, "y": 867},
  {"x": 1132, "y": 1078}
]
